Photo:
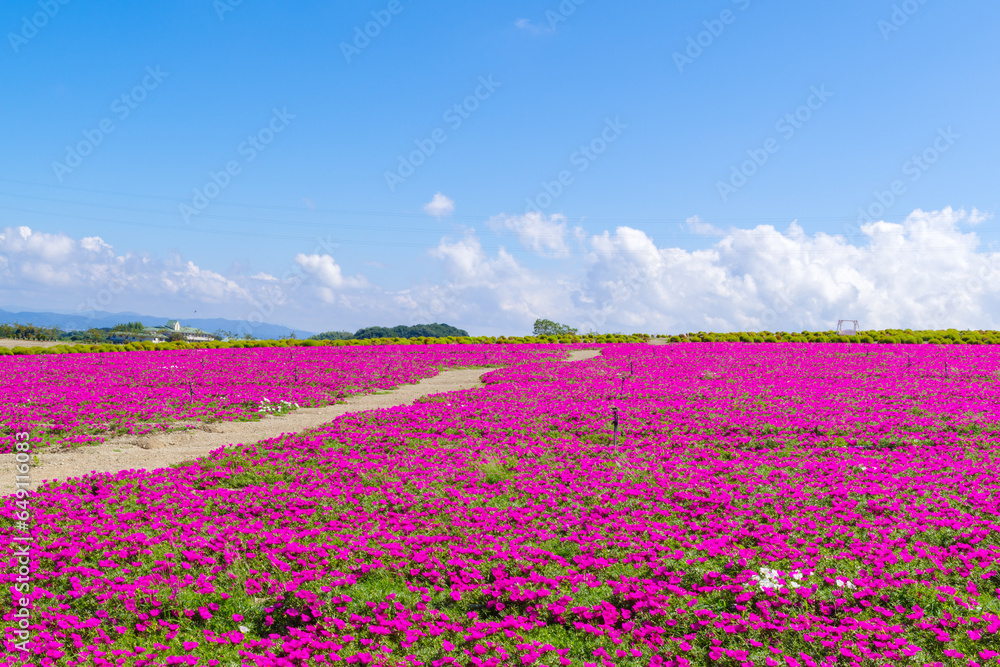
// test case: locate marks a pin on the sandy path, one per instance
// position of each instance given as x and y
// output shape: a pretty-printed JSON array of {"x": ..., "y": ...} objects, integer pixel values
[
  {"x": 150, "y": 452},
  {"x": 11, "y": 342}
]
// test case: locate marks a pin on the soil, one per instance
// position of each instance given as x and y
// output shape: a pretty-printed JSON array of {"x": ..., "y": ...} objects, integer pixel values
[
  {"x": 154, "y": 451},
  {"x": 11, "y": 342}
]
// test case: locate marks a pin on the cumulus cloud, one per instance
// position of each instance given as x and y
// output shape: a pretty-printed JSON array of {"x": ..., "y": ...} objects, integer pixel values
[
  {"x": 326, "y": 271},
  {"x": 697, "y": 226},
  {"x": 439, "y": 206},
  {"x": 977, "y": 217},
  {"x": 536, "y": 231},
  {"x": 57, "y": 272},
  {"x": 925, "y": 272},
  {"x": 327, "y": 275},
  {"x": 931, "y": 270},
  {"x": 490, "y": 290},
  {"x": 81, "y": 269}
]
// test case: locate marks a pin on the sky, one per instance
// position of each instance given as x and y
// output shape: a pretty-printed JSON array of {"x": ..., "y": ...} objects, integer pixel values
[{"x": 656, "y": 167}]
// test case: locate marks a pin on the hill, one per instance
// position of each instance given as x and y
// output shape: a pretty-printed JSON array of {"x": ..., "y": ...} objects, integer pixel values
[
  {"x": 99, "y": 319},
  {"x": 399, "y": 331}
]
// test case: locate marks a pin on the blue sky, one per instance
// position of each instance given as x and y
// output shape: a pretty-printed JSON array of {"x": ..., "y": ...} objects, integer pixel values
[{"x": 665, "y": 223}]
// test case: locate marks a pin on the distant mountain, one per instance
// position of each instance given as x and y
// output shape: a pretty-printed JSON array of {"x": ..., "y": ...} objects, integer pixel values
[{"x": 98, "y": 319}]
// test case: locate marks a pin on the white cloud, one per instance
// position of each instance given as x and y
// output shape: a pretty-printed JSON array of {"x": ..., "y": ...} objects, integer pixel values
[
  {"x": 439, "y": 206},
  {"x": 533, "y": 29},
  {"x": 931, "y": 270},
  {"x": 60, "y": 272},
  {"x": 977, "y": 217},
  {"x": 536, "y": 231},
  {"x": 697, "y": 226},
  {"x": 327, "y": 272},
  {"x": 489, "y": 291},
  {"x": 924, "y": 272}
]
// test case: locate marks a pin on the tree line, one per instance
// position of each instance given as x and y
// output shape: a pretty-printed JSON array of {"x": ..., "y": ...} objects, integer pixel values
[
  {"x": 401, "y": 331},
  {"x": 29, "y": 332}
]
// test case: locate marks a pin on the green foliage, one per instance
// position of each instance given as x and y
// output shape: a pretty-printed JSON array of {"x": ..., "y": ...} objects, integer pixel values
[
  {"x": 883, "y": 336},
  {"x": 400, "y": 331},
  {"x": 17, "y": 331},
  {"x": 287, "y": 342},
  {"x": 334, "y": 335},
  {"x": 550, "y": 328},
  {"x": 132, "y": 327}
]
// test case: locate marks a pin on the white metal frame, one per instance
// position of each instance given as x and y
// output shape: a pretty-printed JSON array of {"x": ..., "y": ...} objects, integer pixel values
[{"x": 848, "y": 330}]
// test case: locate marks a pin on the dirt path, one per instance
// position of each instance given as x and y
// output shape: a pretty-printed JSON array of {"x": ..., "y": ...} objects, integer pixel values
[
  {"x": 158, "y": 451},
  {"x": 11, "y": 342}
]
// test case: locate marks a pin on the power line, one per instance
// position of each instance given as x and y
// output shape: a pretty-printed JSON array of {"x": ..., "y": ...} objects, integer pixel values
[
  {"x": 383, "y": 243},
  {"x": 399, "y": 214},
  {"x": 338, "y": 225}
]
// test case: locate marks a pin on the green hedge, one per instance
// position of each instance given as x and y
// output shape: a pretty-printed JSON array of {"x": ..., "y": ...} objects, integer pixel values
[
  {"x": 883, "y": 336},
  {"x": 462, "y": 340}
]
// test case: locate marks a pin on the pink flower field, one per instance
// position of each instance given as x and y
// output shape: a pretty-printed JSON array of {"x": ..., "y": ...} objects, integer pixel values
[{"x": 783, "y": 504}]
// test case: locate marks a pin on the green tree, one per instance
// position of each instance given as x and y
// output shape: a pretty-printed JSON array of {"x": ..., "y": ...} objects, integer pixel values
[
  {"x": 402, "y": 331},
  {"x": 132, "y": 327},
  {"x": 333, "y": 335},
  {"x": 95, "y": 335},
  {"x": 550, "y": 328}
]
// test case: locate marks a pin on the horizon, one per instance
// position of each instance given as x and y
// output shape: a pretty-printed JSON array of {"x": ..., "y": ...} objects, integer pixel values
[{"x": 727, "y": 167}]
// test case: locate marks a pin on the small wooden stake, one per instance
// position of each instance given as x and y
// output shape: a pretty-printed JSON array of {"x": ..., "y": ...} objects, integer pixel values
[{"x": 614, "y": 413}]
